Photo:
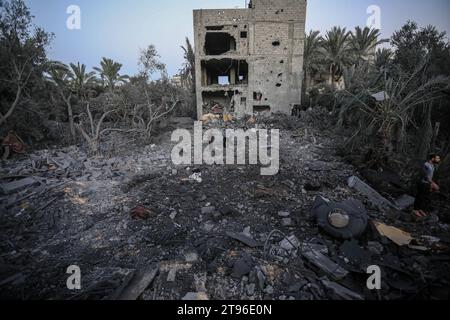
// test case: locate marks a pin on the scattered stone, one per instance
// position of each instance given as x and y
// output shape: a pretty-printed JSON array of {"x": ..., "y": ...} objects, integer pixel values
[
  {"x": 242, "y": 266},
  {"x": 172, "y": 275},
  {"x": 247, "y": 232},
  {"x": 200, "y": 282},
  {"x": 283, "y": 214},
  {"x": 251, "y": 289},
  {"x": 191, "y": 257},
  {"x": 261, "y": 279},
  {"x": 325, "y": 264},
  {"x": 173, "y": 215},
  {"x": 404, "y": 202},
  {"x": 269, "y": 290},
  {"x": 375, "y": 248},
  {"x": 287, "y": 222},
  {"x": 296, "y": 287},
  {"x": 244, "y": 239},
  {"x": 195, "y": 296},
  {"x": 197, "y": 177},
  {"x": 208, "y": 226},
  {"x": 208, "y": 210}
]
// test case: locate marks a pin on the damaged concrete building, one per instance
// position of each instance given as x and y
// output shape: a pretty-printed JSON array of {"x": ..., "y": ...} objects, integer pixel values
[{"x": 250, "y": 60}]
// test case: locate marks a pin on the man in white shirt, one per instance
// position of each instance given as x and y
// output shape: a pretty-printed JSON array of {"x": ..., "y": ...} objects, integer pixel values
[{"x": 426, "y": 186}]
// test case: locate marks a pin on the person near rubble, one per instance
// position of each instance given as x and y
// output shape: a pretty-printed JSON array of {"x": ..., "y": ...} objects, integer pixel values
[
  {"x": 12, "y": 144},
  {"x": 426, "y": 186}
]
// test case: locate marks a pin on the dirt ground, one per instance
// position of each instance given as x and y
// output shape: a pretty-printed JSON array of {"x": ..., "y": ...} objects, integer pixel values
[{"x": 81, "y": 214}]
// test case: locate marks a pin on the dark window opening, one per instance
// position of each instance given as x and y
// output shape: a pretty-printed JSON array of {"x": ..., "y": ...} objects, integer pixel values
[
  {"x": 219, "y": 43},
  {"x": 243, "y": 100},
  {"x": 224, "y": 72},
  {"x": 282, "y": 61},
  {"x": 244, "y": 34},
  {"x": 276, "y": 43},
  {"x": 280, "y": 74},
  {"x": 217, "y": 102},
  {"x": 261, "y": 109},
  {"x": 212, "y": 28},
  {"x": 278, "y": 85},
  {"x": 257, "y": 96}
]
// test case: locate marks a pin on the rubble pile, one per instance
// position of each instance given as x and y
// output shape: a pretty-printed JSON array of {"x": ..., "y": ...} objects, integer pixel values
[{"x": 140, "y": 227}]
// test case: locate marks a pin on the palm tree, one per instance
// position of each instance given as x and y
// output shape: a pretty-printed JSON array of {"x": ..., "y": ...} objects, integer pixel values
[
  {"x": 109, "y": 72},
  {"x": 383, "y": 58},
  {"x": 81, "y": 81},
  {"x": 364, "y": 43},
  {"x": 312, "y": 57},
  {"x": 188, "y": 70},
  {"x": 336, "y": 50}
]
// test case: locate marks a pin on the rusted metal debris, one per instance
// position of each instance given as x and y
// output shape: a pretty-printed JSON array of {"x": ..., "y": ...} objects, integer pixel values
[{"x": 141, "y": 213}]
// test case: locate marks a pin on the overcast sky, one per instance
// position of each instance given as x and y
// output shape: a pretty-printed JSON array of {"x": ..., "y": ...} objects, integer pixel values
[{"x": 117, "y": 29}]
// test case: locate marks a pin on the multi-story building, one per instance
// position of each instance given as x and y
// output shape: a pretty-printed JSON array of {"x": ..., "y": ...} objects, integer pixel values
[{"x": 250, "y": 60}]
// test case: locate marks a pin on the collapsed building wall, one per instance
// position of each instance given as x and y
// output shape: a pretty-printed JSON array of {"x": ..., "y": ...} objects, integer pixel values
[{"x": 251, "y": 56}]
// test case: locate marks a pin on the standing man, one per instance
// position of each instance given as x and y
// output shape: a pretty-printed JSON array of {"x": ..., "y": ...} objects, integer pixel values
[{"x": 426, "y": 186}]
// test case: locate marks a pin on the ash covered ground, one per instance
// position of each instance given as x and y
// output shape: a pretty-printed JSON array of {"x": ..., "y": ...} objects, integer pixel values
[{"x": 139, "y": 227}]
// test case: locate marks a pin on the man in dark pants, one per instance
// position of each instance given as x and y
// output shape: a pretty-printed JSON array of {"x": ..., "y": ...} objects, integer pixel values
[{"x": 426, "y": 187}]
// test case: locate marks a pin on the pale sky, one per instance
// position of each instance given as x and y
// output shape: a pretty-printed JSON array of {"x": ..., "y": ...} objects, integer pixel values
[{"x": 117, "y": 29}]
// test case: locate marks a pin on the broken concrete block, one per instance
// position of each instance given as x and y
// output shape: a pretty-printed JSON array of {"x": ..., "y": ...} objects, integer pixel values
[
  {"x": 243, "y": 266},
  {"x": 171, "y": 276},
  {"x": 135, "y": 286},
  {"x": 261, "y": 279},
  {"x": 325, "y": 264},
  {"x": 244, "y": 239},
  {"x": 16, "y": 186},
  {"x": 315, "y": 246},
  {"x": 341, "y": 292},
  {"x": 372, "y": 195},
  {"x": 405, "y": 202}
]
